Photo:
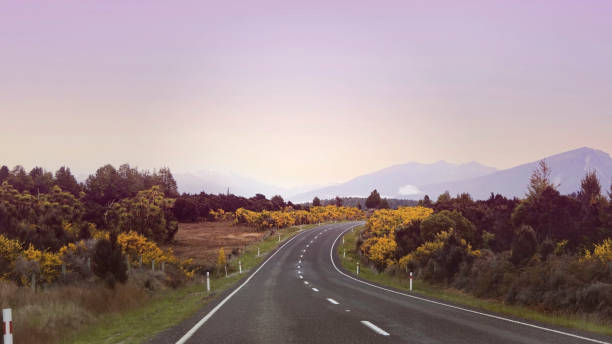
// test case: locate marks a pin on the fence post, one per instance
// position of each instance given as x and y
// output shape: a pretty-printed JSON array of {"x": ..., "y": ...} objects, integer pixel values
[
  {"x": 410, "y": 280},
  {"x": 7, "y": 319},
  {"x": 207, "y": 282},
  {"x": 357, "y": 268}
]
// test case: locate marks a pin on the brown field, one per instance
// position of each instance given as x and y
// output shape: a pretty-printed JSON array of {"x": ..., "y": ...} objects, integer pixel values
[{"x": 201, "y": 241}]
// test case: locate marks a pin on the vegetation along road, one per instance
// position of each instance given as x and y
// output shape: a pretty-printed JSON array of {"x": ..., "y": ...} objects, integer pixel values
[{"x": 301, "y": 295}]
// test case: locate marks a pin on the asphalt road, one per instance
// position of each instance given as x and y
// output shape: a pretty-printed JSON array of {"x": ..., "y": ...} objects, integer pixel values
[{"x": 299, "y": 295}]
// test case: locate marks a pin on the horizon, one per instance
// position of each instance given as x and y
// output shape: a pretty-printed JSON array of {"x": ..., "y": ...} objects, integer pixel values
[{"x": 302, "y": 94}]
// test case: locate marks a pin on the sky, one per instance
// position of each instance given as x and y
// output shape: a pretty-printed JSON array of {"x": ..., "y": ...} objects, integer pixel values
[{"x": 295, "y": 93}]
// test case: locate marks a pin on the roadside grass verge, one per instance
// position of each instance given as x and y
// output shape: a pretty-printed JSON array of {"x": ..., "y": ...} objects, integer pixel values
[
  {"x": 170, "y": 307},
  {"x": 457, "y": 297}
]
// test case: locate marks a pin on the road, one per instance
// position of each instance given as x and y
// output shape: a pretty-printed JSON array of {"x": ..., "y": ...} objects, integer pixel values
[{"x": 299, "y": 295}]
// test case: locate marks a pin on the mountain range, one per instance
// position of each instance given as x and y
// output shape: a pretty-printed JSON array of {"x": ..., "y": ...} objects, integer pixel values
[{"x": 414, "y": 180}]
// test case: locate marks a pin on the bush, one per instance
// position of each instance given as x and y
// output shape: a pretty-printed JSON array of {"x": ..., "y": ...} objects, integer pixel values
[{"x": 108, "y": 262}]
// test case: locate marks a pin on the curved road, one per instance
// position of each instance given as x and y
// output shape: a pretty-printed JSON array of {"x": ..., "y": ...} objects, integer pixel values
[{"x": 299, "y": 295}]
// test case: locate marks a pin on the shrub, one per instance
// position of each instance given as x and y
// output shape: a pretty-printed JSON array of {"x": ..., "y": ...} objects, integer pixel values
[{"x": 108, "y": 262}]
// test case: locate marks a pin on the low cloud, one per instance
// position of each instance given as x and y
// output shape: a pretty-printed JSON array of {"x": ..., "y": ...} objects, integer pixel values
[{"x": 409, "y": 190}]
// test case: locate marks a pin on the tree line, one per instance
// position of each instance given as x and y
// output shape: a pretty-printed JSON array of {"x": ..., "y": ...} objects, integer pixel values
[
  {"x": 50, "y": 210},
  {"x": 547, "y": 250}
]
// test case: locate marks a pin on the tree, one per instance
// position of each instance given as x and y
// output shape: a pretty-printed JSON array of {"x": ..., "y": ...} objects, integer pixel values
[
  {"x": 540, "y": 180},
  {"x": 66, "y": 181},
  {"x": 592, "y": 207},
  {"x": 20, "y": 180},
  {"x": 42, "y": 180},
  {"x": 105, "y": 186},
  {"x": 426, "y": 202},
  {"x": 590, "y": 189},
  {"x": 108, "y": 261},
  {"x": 384, "y": 204},
  {"x": 373, "y": 201},
  {"x": 4, "y": 173},
  {"x": 316, "y": 202},
  {"x": 278, "y": 203},
  {"x": 149, "y": 213},
  {"x": 338, "y": 201},
  {"x": 167, "y": 182}
]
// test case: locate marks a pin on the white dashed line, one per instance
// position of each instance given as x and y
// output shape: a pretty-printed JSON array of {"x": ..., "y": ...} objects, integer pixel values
[
  {"x": 315, "y": 289},
  {"x": 301, "y": 276},
  {"x": 332, "y": 301},
  {"x": 306, "y": 282},
  {"x": 375, "y": 328}
]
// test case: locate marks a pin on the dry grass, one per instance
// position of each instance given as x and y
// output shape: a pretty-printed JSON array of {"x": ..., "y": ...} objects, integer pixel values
[
  {"x": 48, "y": 315},
  {"x": 201, "y": 241}
]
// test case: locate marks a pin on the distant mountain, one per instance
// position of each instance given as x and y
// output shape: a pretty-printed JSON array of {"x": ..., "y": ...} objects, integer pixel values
[
  {"x": 399, "y": 181},
  {"x": 567, "y": 169}
]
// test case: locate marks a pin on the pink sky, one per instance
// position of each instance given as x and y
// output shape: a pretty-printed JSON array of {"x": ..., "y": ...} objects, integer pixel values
[{"x": 304, "y": 92}]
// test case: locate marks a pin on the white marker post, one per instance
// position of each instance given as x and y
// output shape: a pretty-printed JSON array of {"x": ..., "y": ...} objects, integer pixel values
[
  {"x": 344, "y": 254},
  {"x": 279, "y": 238},
  {"x": 207, "y": 282},
  {"x": 342, "y": 240},
  {"x": 357, "y": 268},
  {"x": 240, "y": 266},
  {"x": 258, "y": 252},
  {"x": 225, "y": 270},
  {"x": 7, "y": 319},
  {"x": 410, "y": 280}
]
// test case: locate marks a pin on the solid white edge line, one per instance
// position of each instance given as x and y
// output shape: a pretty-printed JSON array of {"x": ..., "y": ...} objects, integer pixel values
[
  {"x": 333, "y": 301},
  {"x": 375, "y": 328},
  {"x": 331, "y": 256},
  {"x": 202, "y": 321}
]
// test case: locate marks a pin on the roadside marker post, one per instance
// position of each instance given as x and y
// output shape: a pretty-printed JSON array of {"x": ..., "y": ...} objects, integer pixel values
[
  {"x": 207, "y": 282},
  {"x": 357, "y": 268},
  {"x": 240, "y": 266},
  {"x": 225, "y": 270},
  {"x": 344, "y": 254},
  {"x": 342, "y": 240},
  {"x": 258, "y": 252},
  {"x": 7, "y": 319},
  {"x": 410, "y": 280},
  {"x": 278, "y": 237}
]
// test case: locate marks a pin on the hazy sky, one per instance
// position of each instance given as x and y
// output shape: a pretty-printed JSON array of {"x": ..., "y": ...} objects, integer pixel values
[{"x": 301, "y": 92}]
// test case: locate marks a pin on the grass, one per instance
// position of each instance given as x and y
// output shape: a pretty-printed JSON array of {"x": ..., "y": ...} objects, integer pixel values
[
  {"x": 171, "y": 307},
  {"x": 422, "y": 288}
]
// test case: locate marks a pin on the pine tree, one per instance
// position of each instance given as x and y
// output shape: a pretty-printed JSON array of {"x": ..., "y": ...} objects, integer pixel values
[{"x": 373, "y": 201}]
